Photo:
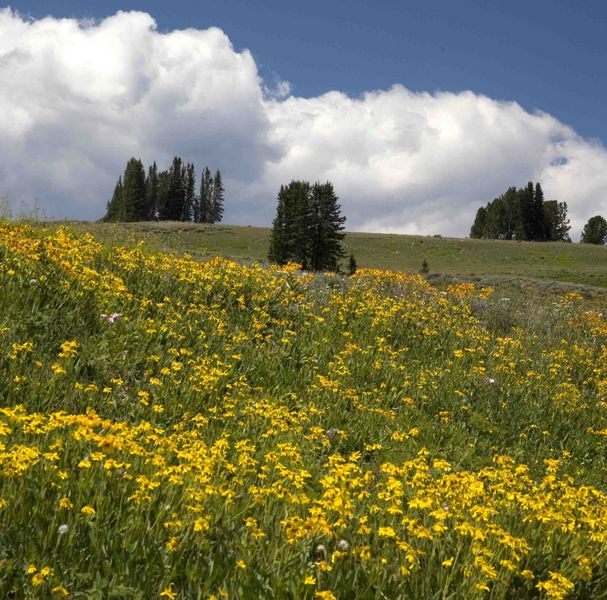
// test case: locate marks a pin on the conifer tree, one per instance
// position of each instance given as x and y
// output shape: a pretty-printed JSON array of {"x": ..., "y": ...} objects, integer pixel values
[
  {"x": 206, "y": 196},
  {"x": 511, "y": 213},
  {"x": 176, "y": 191},
  {"x": 307, "y": 227},
  {"x": 134, "y": 193},
  {"x": 217, "y": 199},
  {"x": 151, "y": 191},
  {"x": 277, "y": 252},
  {"x": 523, "y": 215},
  {"x": 189, "y": 205},
  {"x": 539, "y": 220},
  {"x": 556, "y": 221},
  {"x": 562, "y": 223},
  {"x": 164, "y": 184},
  {"x": 527, "y": 199},
  {"x": 299, "y": 223},
  {"x": 328, "y": 224},
  {"x": 595, "y": 231},
  {"x": 115, "y": 207},
  {"x": 291, "y": 236},
  {"x": 166, "y": 195},
  {"x": 479, "y": 227},
  {"x": 496, "y": 217}
]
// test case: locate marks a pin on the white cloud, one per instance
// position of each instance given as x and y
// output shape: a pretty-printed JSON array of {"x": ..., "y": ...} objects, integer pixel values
[
  {"x": 414, "y": 163},
  {"x": 77, "y": 99}
]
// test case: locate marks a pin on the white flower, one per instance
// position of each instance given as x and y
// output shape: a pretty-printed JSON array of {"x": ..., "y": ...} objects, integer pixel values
[
  {"x": 63, "y": 529},
  {"x": 343, "y": 546},
  {"x": 110, "y": 318}
]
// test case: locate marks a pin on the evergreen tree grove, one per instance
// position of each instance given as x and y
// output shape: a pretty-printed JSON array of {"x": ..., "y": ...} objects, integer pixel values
[
  {"x": 308, "y": 227},
  {"x": 522, "y": 214},
  {"x": 166, "y": 195}
]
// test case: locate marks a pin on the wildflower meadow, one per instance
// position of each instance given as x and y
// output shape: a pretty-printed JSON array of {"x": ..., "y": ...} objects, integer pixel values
[{"x": 181, "y": 429}]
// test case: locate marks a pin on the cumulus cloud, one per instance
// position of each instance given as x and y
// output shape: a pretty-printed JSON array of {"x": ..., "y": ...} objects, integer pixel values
[
  {"x": 419, "y": 163},
  {"x": 77, "y": 99}
]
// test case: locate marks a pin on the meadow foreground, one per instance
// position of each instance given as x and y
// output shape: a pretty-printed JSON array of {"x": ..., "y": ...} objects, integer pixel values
[{"x": 171, "y": 428}]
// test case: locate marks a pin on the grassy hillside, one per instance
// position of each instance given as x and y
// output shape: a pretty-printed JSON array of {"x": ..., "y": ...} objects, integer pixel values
[
  {"x": 575, "y": 263},
  {"x": 183, "y": 429}
]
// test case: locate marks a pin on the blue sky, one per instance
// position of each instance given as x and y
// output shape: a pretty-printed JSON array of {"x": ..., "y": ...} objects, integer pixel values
[
  {"x": 547, "y": 55},
  {"x": 418, "y": 112}
]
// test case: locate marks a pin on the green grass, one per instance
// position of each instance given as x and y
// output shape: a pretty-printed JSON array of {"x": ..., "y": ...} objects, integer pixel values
[{"x": 465, "y": 258}]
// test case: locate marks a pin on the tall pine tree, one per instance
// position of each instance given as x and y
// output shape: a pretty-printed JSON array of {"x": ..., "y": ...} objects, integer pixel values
[
  {"x": 299, "y": 224},
  {"x": 164, "y": 184},
  {"x": 291, "y": 238},
  {"x": 151, "y": 191},
  {"x": 206, "y": 196},
  {"x": 115, "y": 207},
  {"x": 176, "y": 191},
  {"x": 327, "y": 248},
  {"x": 217, "y": 199},
  {"x": 479, "y": 227},
  {"x": 539, "y": 217},
  {"x": 189, "y": 205},
  {"x": 556, "y": 221},
  {"x": 527, "y": 199},
  {"x": 134, "y": 193},
  {"x": 278, "y": 247},
  {"x": 562, "y": 223}
]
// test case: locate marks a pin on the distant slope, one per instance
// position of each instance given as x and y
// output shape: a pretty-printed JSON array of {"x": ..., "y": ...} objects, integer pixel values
[{"x": 575, "y": 263}]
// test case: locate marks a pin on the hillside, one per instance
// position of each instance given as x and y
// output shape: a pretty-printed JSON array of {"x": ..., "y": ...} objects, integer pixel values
[
  {"x": 175, "y": 428},
  {"x": 506, "y": 260}
]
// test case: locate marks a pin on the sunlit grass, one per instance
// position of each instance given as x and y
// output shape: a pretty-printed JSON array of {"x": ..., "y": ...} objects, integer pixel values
[{"x": 583, "y": 264}]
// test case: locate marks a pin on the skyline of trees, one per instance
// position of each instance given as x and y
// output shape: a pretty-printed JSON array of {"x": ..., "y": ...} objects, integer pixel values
[
  {"x": 173, "y": 194},
  {"x": 522, "y": 214},
  {"x": 169, "y": 195}
]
